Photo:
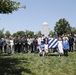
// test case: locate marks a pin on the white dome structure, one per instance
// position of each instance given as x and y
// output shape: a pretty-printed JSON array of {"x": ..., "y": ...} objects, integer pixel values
[
  {"x": 45, "y": 23},
  {"x": 45, "y": 29}
]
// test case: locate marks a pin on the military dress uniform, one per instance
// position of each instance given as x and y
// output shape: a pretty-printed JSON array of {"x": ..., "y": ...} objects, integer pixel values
[{"x": 15, "y": 41}]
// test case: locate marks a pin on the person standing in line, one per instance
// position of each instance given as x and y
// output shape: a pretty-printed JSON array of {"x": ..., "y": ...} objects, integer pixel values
[
  {"x": 8, "y": 46},
  {"x": 24, "y": 44},
  {"x": 35, "y": 44},
  {"x": 11, "y": 44},
  {"x": 29, "y": 43},
  {"x": 5, "y": 44},
  {"x": 60, "y": 46},
  {"x": 45, "y": 39},
  {"x": 39, "y": 42},
  {"x": 46, "y": 48},
  {"x": 19, "y": 44},
  {"x": 71, "y": 42},
  {"x": 75, "y": 42},
  {"x": 65, "y": 46},
  {"x": 32, "y": 38},
  {"x": 42, "y": 38},
  {"x": 1, "y": 45},
  {"x": 15, "y": 41}
]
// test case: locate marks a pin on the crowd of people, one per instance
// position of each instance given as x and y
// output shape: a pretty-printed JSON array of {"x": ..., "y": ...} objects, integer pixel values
[{"x": 26, "y": 44}]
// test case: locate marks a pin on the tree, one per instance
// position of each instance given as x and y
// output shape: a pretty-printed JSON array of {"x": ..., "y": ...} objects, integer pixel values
[
  {"x": 1, "y": 33},
  {"x": 8, "y": 6},
  {"x": 27, "y": 32},
  {"x": 62, "y": 27},
  {"x": 14, "y": 34},
  {"x": 73, "y": 30},
  {"x": 7, "y": 33},
  {"x": 21, "y": 33},
  {"x": 38, "y": 33},
  {"x": 51, "y": 33}
]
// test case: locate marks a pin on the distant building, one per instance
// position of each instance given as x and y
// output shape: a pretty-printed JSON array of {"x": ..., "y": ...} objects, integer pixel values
[{"x": 45, "y": 29}]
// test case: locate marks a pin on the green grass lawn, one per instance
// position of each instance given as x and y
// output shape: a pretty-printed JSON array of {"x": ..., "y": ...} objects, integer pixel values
[{"x": 33, "y": 64}]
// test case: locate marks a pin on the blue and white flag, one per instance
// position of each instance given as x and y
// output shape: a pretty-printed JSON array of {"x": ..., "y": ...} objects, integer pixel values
[{"x": 53, "y": 43}]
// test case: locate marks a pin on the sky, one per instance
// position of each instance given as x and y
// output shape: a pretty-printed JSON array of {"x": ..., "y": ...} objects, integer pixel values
[{"x": 38, "y": 12}]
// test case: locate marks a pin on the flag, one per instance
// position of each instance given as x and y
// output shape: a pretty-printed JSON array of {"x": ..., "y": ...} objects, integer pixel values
[{"x": 53, "y": 43}]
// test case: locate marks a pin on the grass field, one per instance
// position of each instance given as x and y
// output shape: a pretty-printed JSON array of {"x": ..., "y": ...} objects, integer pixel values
[{"x": 33, "y": 64}]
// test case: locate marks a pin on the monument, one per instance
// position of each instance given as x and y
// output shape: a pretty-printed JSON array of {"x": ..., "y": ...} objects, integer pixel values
[{"x": 45, "y": 29}]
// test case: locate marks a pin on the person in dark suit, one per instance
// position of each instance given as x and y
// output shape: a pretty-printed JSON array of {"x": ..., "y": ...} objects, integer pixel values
[
  {"x": 71, "y": 40},
  {"x": 1, "y": 43},
  {"x": 35, "y": 44},
  {"x": 24, "y": 44},
  {"x": 15, "y": 41},
  {"x": 19, "y": 44}
]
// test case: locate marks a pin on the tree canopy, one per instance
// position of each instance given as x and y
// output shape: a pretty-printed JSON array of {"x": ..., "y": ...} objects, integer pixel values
[
  {"x": 1, "y": 33},
  {"x": 8, "y": 6},
  {"x": 62, "y": 27},
  {"x": 7, "y": 33},
  {"x": 23, "y": 33}
]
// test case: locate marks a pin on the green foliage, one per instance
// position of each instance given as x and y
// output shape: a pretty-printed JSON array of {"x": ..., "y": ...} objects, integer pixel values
[
  {"x": 7, "y": 33},
  {"x": 2, "y": 33},
  {"x": 8, "y": 6},
  {"x": 38, "y": 33},
  {"x": 21, "y": 33},
  {"x": 51, "y": 33},
  {"x": 14, "y": 34},
  {"x": 73, "y": 30},
  {"x": 62, "y": 27},
  {"x": 27, "y": 32}
]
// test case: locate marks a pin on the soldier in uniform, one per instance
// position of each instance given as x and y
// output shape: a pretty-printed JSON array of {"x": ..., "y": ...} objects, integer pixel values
[
  {"x": 19, "y": 44},
  {"x": 15, "y": 41},
  {"x": 24, "y": 44},
  {"x": 35, "y": 44}
]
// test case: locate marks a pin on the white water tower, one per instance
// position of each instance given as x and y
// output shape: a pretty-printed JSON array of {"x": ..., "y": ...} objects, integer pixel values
[{"x": 45, "y": 29}]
